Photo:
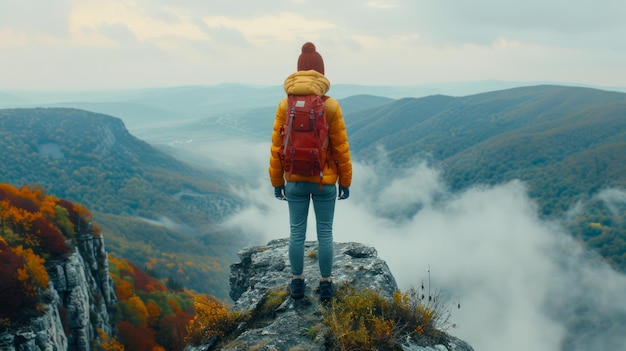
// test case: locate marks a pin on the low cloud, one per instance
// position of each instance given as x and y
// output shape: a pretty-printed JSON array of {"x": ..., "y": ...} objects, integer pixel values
[
  {"x": 522, "y": 281},
  {"x": 168, "y": 223},
  {"x": 614, "y": 199}
]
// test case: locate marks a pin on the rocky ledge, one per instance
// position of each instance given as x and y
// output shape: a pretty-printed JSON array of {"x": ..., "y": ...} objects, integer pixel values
[{"x": 266, "y": 268}]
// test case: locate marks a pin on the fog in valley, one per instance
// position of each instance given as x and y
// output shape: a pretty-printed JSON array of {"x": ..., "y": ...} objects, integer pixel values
[
  {"x": 510, "y": 278},
  {"x": 519, "y": 279}
]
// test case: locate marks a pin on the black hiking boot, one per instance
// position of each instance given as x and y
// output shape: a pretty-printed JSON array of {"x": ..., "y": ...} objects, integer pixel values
[
  {"x": 327, "y": 291},
  {"x": 296, "y": 288}
]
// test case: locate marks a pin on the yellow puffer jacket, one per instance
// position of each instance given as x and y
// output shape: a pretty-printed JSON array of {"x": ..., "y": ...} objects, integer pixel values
[{"x": 338, "y": 164}]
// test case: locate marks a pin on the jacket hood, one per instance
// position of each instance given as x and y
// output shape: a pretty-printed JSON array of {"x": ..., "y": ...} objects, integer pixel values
[{"x": 307, "y": 83}]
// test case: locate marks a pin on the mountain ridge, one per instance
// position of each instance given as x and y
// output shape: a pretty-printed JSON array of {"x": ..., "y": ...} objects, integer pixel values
[
  {"x": 193, "y": 101},
  {"x": 566, "y": 143},
  {"x": 150, "y": 203}
]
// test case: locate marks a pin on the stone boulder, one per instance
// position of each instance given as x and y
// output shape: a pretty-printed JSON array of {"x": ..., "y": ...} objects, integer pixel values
[{"x": 263, "y": 269}]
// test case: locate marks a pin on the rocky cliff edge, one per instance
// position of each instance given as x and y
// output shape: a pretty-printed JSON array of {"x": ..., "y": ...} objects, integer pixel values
[
  {"x": 78, "y": 303},
  {"x": 264, "y": 269}
]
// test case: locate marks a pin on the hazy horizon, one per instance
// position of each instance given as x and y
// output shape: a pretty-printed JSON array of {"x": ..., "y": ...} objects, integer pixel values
[{"x": 94, "y": 45}]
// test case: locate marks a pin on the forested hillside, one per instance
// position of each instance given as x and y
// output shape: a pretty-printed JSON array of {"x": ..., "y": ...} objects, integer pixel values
[
  {"x": 39, "y": 231},
  {"x": 154, "y": 209},
  {"x": 567, "y": 143}
]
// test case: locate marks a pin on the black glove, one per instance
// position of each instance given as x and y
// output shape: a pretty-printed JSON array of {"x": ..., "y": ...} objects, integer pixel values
[
  {"x": 279, "y": 193},
  {"x": 344, "y": 192}
]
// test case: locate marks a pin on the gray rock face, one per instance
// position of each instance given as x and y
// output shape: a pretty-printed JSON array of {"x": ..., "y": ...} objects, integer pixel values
[
  {"x": 43, "y": 333},
  {"x": 267, "y": 267},
  {"x": 297, "y": 325},
  {"x": 80, "y": 286}
]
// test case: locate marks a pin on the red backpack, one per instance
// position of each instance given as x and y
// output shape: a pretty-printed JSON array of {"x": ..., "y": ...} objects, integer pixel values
[{"x": 305, "y": 135}]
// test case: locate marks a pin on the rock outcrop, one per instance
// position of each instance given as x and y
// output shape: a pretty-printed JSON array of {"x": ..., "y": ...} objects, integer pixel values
[
  {"x": 266, "y": 268},
  {"x": 78, "y": 302}
]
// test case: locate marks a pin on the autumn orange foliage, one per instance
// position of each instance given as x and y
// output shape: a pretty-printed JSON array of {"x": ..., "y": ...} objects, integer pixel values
[
  {"x": 109, "y": 343},
  {"x": 150, "y": 315},
  {"x": 34, "y": 227},
  {"x": 139, "y": 338},
  {"x": 143, "y": 281},
  {"x": 28, "y": 217},
  {"x": 13, "y": 300},
  {"x": 33, "y": 276},
  {"x": 212, "y": 319}
]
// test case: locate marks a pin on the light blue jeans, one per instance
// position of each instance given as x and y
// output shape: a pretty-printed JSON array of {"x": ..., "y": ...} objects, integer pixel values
[{"x": 299, "y": 195}]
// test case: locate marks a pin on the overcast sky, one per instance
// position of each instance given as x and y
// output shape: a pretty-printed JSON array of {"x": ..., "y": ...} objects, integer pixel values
[{"x": 110, "y": 44}]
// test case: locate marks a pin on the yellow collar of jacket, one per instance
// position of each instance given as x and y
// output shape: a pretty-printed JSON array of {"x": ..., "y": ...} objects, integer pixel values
[{"x": 307, "y": 83}]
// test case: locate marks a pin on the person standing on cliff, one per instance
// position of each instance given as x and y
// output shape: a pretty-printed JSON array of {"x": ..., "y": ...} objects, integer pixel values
[{"x": 299, "y": 190}]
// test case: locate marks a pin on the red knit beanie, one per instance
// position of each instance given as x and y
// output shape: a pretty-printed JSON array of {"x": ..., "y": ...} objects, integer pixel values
[{"x": 310, "y": 59}]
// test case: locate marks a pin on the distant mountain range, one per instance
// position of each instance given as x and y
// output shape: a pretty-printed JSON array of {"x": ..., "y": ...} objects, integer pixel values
[
  {"x": 144, "y": 107},
  {"x": 567, "y": 143}
]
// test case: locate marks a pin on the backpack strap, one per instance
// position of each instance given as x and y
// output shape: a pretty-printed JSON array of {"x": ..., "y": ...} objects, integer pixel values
[
  {"x": 290, "y": 115},
  {"x": 328, "y": 146}
]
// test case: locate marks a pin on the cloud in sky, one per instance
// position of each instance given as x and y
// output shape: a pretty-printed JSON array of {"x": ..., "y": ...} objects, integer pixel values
[
  {"x": 95, "y": 44},
  {"x": 521, "y": 280}
]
